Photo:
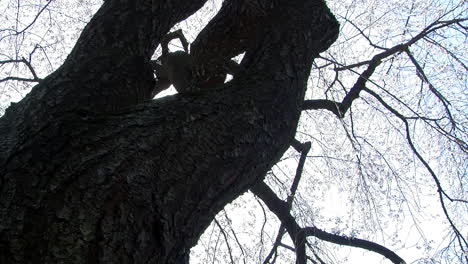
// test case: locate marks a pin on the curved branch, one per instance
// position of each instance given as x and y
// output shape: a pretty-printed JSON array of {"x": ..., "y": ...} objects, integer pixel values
[
  {"x": 340, "y": 108},
  {"x": 304, "y": 149},
  {"x": 329, "y": 105},
  {"x": 234, "y": 235},
  {"x": 280, "y": 209},
  {"x": 225, "y": 239},
  {"x": 177, "y": 34},
  {"x": 13, "y": 78},
  {"x": 461, "y": 240},
  {"x": 446, "y": 50},
  {"x": 353, "y": 242},
  {"x": 35, "y": 18},
  {"x": 422, "y": 75}
]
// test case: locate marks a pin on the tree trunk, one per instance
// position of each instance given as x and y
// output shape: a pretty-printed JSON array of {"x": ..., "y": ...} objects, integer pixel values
[{"x": 92, "y": 171}]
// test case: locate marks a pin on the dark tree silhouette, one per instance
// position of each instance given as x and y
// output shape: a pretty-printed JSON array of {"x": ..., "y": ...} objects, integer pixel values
[{"x": 94, "y": 171}]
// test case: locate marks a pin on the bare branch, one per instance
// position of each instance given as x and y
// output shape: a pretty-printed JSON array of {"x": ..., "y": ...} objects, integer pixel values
[
  {"x": 225, "y": 239},
  {"x": 351, "y": 66},
  {"x": 462, "y": 241},
  {"x": 15, "y": 32},
  {"x": 280, "y": 209},
  {"x": 235, "y": 236},
  {"x": 435, "y": 43},
  {"x": 13, "y": 78},
  {"x": 177, "y": 34},
  {"x": 363, "y": 34},
  {"x": 434, "y": 125},
  {"x": 422, "y": 75},
  {"x": 329, "y": 105},
  {"x": 353, "y": 242},
  {"x": 276, "y": 244},
  {"x": 35, "y": 18},
  {"x": 340, "y": 108},
  {"x": 304, "y": 149},
  {"x": 294, "y": 250}
]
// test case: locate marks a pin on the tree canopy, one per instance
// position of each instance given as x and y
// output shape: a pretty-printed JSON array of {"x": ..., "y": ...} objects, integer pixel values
[{"x": 345, "y": 128}]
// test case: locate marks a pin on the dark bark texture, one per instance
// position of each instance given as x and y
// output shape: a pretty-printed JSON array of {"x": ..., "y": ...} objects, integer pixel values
[{"x": 94, "y": 171}]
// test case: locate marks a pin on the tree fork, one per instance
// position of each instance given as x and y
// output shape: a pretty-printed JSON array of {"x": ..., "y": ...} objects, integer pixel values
[{"x": 111, "y": 179}]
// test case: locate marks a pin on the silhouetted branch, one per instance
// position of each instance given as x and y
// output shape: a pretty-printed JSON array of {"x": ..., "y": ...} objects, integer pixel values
[
  {"x": 451, "y": 54},
  {"x": 299, "y": 235},
  {"x": 225, "y": 239},
  {"x": 355, "y": 65},
  {"x": 16, "y": 32},
  {"x": 13, "y": 78},
  {"x": 340, "y": 108},
  {"x": 234, "y": 235},
  {"x": 422, "y": 75},
  {"x": 353, "y": 242},
  {"x": 177, "y": 34},
  {"x": 280, "y": 208},
  {"x": 362, "y": 33},
  {"x": 35, "y": 18},
  {"x": 304, "y": 149},
  {"x": 294, "y": 250},
  {"x": 329, "y": 105},
  {"x": 461, "y": 240}
]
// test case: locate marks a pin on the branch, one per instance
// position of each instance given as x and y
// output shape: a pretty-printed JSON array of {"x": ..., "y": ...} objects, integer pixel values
[
  {"x": 340, "y": 108},
  {"x": 446, "y": 50},
  {"x": 294, "y": 250},
  {"x": 353, "y": 242},
  {"x": 304, "y": 149},
  {"x": 280, "y": 209},
  {"x": 422, "y": 75},
  {"x": 33, "y": 21},
  {"x": 351, "y": 66},
  {"x": 225, "y": 239},
  {"x": 13, "y": 78},
  {"x": 329, "y": 105},
  {"x": 178, "y": 34},
  {"x": 436, "y": 126},
  {"x": 362, "y": 32},
  {"x": 234, "y": 234},
  {"x": 461, "y": 240}
]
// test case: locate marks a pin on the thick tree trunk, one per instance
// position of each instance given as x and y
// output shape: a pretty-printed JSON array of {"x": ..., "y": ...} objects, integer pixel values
[{"x": 92, "y": 172}]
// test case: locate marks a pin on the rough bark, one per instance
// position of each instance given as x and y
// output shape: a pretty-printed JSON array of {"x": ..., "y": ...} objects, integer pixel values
[{"x": 91, "y": 171}]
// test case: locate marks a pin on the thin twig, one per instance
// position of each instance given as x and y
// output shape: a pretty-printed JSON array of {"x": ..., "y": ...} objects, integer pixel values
[
  {"x": 340, "y": 108},
  {"x": 225, "y": 239},
  {"x": 461, "y": 240},
  {"x": 280, "y": 209}
]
